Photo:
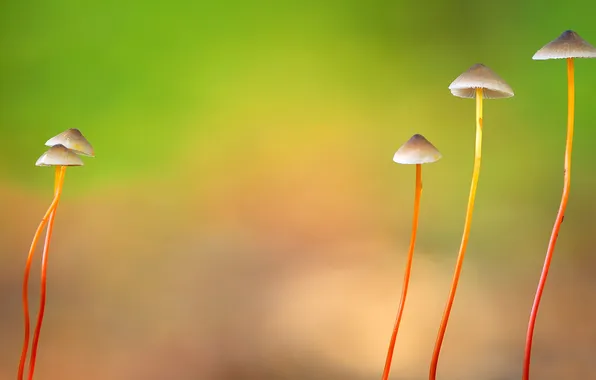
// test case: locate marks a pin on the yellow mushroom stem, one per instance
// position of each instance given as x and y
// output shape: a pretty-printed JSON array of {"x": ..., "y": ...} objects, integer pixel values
[{"x": 465, "y": 237}]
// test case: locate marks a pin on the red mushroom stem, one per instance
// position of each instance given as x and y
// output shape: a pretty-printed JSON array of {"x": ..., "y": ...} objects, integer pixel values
[
  {"x": 47, "y": 218},
  {"x": 558, "y": 220}
]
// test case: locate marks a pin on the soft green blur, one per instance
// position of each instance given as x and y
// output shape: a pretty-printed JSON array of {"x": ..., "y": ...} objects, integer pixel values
[{"x": 243, "y": 219}]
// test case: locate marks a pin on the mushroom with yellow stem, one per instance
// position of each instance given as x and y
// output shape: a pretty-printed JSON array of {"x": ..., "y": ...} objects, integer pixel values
[
  {"x": 568, "y": 45},
  {"x": 477, "y": 82},
  {"x": 416, "y": 151},
  {"x": 60, "y": 157}
]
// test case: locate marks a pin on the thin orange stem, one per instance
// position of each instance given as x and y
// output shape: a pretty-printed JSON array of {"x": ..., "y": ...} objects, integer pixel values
[
  {"x": 465, "y": 237},
  {"x": 558, "y": 221},
  {"x": 36, "y": 237},
  {"x": 404, "y": 291},
  {"x": 44, "y": 264}
]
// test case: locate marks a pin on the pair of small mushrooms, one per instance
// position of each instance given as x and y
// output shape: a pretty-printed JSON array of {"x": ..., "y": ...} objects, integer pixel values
[
  {"x": 65, "y": 149},
  {"x": 477, "y": 82},
  {"x": 418, "y": 150}
]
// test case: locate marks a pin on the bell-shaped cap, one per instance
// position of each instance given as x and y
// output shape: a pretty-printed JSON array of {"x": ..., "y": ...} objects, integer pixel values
[
  {"x": 73, "y": 139},
  {"x": 568, "y": 45},
  {"x": 59, "y": 155},
  {"x": 417, "y": 150},
  {"x": 480, "y": 76}
]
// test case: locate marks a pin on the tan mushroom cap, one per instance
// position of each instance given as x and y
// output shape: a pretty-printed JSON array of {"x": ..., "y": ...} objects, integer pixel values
[
  {"x": 568, "y": 45},
  {"x": 480, "y": 76},
  {"x": 59, "y": 155},
  {"x": 417, "y": 150},
  {"x": 73, "y": 139}
]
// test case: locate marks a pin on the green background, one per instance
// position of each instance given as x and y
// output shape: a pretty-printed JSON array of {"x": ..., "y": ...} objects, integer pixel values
[{"x": 243, "y": 144}]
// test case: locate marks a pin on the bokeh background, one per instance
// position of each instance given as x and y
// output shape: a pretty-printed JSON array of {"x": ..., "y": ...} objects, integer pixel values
[{"x": 243, "y": 218}]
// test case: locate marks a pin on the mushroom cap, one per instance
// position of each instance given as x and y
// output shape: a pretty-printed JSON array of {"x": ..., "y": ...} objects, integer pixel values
[
  {"x": 480, "y": 76},
  {"x": 59, "y": 155},
  {"x": 73, "y": 139},
  {"x": 568, "y": 45},
  {"x": 417, "y": 150}
]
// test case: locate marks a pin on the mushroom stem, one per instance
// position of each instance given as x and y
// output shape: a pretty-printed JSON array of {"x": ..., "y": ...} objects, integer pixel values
[
  {"x": 36, "y": 237},
  {"x": 58, "y": 182},
  {"x": 464, "y": 241},
  {"x": 558, "y": 220},
  {"x": 406, "y": 282}
]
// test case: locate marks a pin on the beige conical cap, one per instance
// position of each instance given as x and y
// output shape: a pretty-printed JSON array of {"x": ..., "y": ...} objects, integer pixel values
[
  {"x": 73, "y": 139},
  {"x": 480, "y": 76},
  {"x": 417, "y": 150},
  {"x": 59, "y": 155},
  {"x": 568, "y": 45}
]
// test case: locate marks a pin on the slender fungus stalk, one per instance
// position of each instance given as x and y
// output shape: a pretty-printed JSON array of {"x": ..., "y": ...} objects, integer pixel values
[
  {"x": 568, "y": 45},
  {"x": 42, "y": 224},
  {"x": 60, "y": 172},
  {"x": 416, "y": 151},
  {"x": 60, "y": 157},
  {"x": 477, "y": 82}
]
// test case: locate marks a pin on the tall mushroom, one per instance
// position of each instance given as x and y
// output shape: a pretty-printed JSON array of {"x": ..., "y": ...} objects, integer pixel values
[
  {"x": 60, "y": 157},
  {"x": 477, "y": 82},
  {"x": 568, "y": 45},
  {"x": 416, "y": 151}
]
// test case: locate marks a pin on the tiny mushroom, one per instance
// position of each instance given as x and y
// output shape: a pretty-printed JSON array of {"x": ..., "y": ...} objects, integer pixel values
[
  {"x": 568, "y": 45},
  {"x": 477, "y": 82},
  {"x": 416, "y": 151},
  {"x": 73, "y": 139},
  {"x": 480, "y": 82},
  {"x": 59, "y": 155}
]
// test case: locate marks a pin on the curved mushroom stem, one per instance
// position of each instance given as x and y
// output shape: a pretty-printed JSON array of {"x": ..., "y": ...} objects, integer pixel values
[
  {"x": 464, "y": 241},
  {"x": 407, "y": 272},
  {"x": 59, "y": 181},
  {"x": 558, "y": 221},
  {"x": 36, "y": 237}
]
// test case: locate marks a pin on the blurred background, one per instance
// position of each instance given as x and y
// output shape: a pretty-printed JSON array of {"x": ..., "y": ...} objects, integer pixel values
[{"x": 243, "y": 218}]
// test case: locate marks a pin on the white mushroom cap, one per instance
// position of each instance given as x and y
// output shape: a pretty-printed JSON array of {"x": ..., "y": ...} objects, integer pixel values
[
  {"x": 417, "y": 150},
  {"x": 568, "y": 45},
  {"x": 59, "y": 155},
  {"x": 73, "y": 139},
  {"x": 480, "y": 76}
]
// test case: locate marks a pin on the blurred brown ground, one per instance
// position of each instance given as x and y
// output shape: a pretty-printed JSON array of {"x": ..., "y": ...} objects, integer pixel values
[{"x": 265, "y": 277}]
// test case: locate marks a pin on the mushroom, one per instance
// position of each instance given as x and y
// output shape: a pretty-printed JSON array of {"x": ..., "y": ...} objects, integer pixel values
[
  {"x": 477, "y": 82},
  {"x": 60, "y": 157},
  {"x": 568, "y": 45},
  {"x": 73, "y": 139},
  {"x": 416, "y": 151}
]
